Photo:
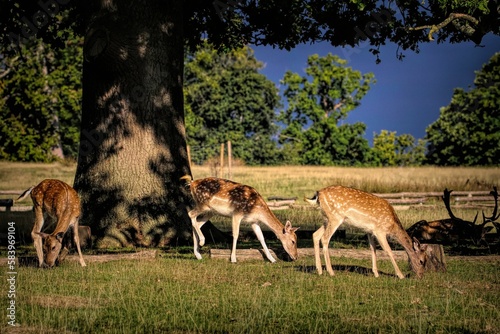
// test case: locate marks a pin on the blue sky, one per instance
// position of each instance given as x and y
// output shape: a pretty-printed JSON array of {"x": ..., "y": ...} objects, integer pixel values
[{"x": 408, "y": 94}]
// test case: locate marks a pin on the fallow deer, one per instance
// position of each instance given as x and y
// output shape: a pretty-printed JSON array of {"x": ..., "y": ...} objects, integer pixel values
[
  {"x": 370, "y": 213},
  {"x": 241, "y": 202},
  {"x": 58, "y": 200},
  {"x": 453, "y": 229}
]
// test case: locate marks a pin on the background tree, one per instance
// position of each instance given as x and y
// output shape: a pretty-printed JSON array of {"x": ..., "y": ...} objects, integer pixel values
[
  {"x": 133, "y": 148},
  {"x": 230, "y": 100},
  {"x": 316, "y": 105},
  {"x": 384, "y": 148},
  {"x": 467, "y": 131},
  {"x": 41, "y": 101},
  {"x": 408, "y": 151},
  {"x": 389, "y": 149}
]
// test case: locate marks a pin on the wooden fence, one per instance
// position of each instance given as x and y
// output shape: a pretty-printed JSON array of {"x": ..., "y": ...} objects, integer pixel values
[
  {"x": 401, "y": 201},
  {"x": 406, "y": 200}
]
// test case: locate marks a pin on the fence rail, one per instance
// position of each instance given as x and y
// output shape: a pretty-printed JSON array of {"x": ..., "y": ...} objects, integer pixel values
[
  {"x": 405, "y": 200},
  {"x": 469, "y": 199}
]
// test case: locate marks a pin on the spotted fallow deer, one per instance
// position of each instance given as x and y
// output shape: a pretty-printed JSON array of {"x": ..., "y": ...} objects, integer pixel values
[
  {"x": 241, "y": 202},
  {"x": 370, "y": 213},
  {"x": 60, "y": 201}
]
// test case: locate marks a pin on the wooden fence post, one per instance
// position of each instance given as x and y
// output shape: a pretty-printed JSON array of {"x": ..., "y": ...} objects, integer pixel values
[
  {"x": 229, "y": 160},
  {"x": 189, "y": 156},
  {"x": 221, "y": 159}
]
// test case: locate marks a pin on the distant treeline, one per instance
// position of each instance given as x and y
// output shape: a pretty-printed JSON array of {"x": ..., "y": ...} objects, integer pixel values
[{"x": 227, "y": 99}]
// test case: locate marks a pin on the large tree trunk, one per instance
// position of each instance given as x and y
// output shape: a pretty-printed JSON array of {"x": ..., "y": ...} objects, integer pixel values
[{"x": 132, "y": 145}]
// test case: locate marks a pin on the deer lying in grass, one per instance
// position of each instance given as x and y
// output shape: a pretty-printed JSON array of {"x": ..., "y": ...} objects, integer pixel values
[
  {"x": 58, "y": 200},
  {"x": 453, "y": 229},
  {"x": 242, "y": 203},
  {"x": 370, "y": 213}
]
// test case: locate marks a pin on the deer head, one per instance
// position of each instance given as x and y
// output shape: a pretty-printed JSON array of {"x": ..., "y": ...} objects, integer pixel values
[{"x": 52, "y": 245}]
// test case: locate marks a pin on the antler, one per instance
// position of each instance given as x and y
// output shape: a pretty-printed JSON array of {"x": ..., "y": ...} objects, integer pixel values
[
  {"x": 494, "y": 216},
  {"x": 446, "y": 200}
]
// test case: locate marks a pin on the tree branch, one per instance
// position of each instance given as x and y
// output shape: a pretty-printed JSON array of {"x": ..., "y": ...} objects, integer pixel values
[
  {"x": 436, "y": 27},
  {"x": 4, "y": 73}
]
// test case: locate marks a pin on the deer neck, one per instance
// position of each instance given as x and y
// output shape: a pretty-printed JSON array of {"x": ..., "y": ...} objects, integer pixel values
[
  {"x": 60, "y": 229},
  {"x": 268, "y": 218},
  {"x": 404, "y": 239}
]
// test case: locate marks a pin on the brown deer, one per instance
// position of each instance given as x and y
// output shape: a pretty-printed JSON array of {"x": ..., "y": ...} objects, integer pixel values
[
  {"x": 241, "y": 202},
  {"x": 370, "y": 213},
  {"x": 453, "y": 229},
  {"x": 58, "y": 200}
]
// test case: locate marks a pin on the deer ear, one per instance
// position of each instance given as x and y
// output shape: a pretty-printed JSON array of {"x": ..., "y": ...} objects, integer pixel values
[
  {"x": 60, "y": 236},
  {"x": 43, "y": 235},
  {"x": 416, "y": 244},
  {"x": 289, "y": 228}
]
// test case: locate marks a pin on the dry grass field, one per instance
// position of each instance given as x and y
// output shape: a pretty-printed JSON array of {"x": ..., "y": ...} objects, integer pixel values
[
  {"x": 300, "y": 181},
  {"x": 295, "y": 180}
]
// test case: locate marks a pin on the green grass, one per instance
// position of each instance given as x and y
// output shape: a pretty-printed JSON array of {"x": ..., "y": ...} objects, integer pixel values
[{"x": 173, "y": 294}]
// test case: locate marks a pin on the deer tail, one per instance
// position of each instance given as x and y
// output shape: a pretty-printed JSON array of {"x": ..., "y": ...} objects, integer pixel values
[
  {"x": 313, "y": 200},
  {"x": 188, "y": 178},
  {"x": 25, "y": 194}
]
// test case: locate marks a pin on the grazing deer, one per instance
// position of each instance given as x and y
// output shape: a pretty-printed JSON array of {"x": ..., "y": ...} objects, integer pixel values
[
  {"x": 58, "y": 200},
  {"x": 241, "y": 202},
  {"x": 453, "y": 229},
  {"x": 370, "y": 213}
]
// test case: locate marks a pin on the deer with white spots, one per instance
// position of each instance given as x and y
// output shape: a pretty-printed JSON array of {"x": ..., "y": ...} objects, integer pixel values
[
  {"x": 369, "y": 213},
  {"x": 241, "y": 202},
  {"x": 58, "y": 200}
]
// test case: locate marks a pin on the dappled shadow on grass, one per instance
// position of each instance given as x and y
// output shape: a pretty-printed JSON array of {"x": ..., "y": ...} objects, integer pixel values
[
  {"x": 27, "y": 261},
  {"x": 472, "y": 250},
  {"x": 342, "y": 268}
]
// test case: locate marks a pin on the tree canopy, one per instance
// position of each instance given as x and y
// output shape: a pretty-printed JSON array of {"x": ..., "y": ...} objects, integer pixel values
[
  {"x": 390, "y": 149},
  {"x": 316, "y": 104},
  {"x": 230, "y": 24},
  {"x": 467, "y": 131},
  {"x": 40, "y": 101},
  {"x": 228, "y": 99}
]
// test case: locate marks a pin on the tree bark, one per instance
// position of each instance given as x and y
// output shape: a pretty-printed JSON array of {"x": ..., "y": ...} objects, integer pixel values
[{"x": 132, "y": 143}]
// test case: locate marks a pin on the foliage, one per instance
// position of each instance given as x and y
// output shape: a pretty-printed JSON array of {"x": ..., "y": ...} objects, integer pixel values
[
  {"x": 467, "y": 131},
  {"x": 389, "y": 149},
  {"x": 317, "y": 104},
  {"x": 231, "y": 24},
  {"x": 228, "y": 99},
  {"x": 40, "y": 96}
]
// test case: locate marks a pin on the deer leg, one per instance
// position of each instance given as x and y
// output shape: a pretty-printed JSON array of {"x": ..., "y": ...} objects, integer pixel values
[
  {"x": 194, "y": 214},
  {"x": 37, "y": 238},
  {"x": 196, "y": 241},
  {"x": 373, "y": 248},
  {"x": 325, "y": 241},
  {"x": 316, "y": 238},
  {"x": 382, "y": 240},
  {"x": 198, "y": 237},
  {"x": 236, "y": 232},
  {"x": 76, "y": 238},
  {"x": 258, "y": 232}
]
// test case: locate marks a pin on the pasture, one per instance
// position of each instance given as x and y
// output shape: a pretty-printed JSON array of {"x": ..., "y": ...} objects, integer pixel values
[{"x": 175, "y": 293}]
